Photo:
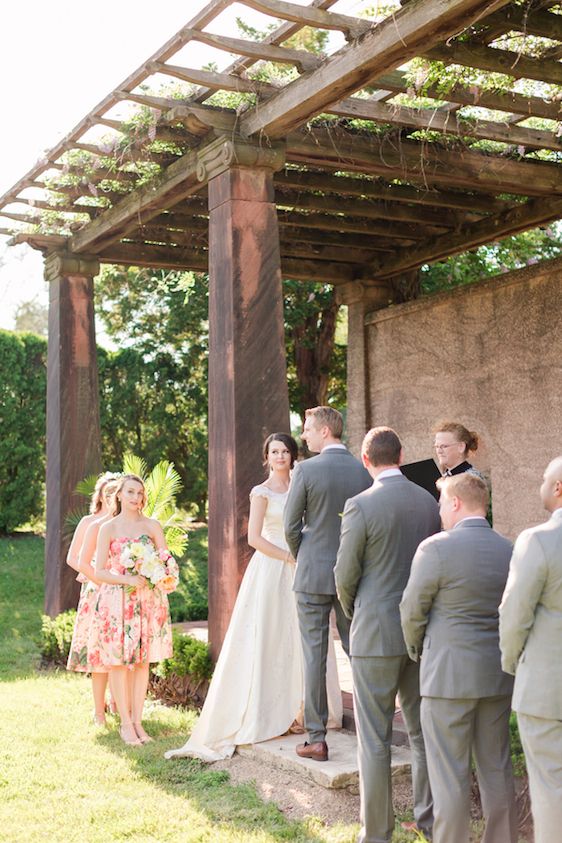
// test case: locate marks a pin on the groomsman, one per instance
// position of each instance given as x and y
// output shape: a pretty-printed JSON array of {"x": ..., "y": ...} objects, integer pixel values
[
  {"x": 450, "y": 608},
  {"x": 531, "y": 645},
  {"x": 319, "y": 489},
  {"x": 381, "y": 530}
]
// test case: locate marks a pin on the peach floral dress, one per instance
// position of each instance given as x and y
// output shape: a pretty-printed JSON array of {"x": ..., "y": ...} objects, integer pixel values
[
  {"x": 78, "y": 656},
  {"x": 129, "y": 626}
]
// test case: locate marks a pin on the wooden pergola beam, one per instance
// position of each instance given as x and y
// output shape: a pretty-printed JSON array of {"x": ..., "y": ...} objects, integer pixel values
[
  {"x": 424, "y": 163},
  {"x": 213, "y": 79},
  {"x": 473, "y": 54},
  {"x": 412, "y": 30},
  {"x": 446, "y": 122},
  {"x": 177, "y": 182},
  {"x": 535, "y": 22},
  {"x": 349, "y": 186},
  {"x": 534, "y": 213},
  {"x": 307, "y": 16},
  {"x": 369, "y": 209},
  {"x": 527, "y": 106},
  {"x": 258, "y": 51},
  {"x": 325, "y": 222}
]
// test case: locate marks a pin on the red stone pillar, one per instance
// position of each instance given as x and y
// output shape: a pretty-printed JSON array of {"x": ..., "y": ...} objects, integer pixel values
[
  {"x": 248, "y": 394},
  {"x": 73, "y": 428},
  {"x": 360, "y": 300}
]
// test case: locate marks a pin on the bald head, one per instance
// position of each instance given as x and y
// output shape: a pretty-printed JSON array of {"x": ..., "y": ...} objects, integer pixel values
[{"x": 551, "y": 489}]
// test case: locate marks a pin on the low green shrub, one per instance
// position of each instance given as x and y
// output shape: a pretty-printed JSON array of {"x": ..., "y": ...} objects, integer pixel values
[
  {"x": 56, "y": 636},
  {"x": 191, "y": 658},
  {"x": 517, "y": 754},
  {"x": 189, "y": 602}
]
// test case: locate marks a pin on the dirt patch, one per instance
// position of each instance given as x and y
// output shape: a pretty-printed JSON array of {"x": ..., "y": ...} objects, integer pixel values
[{"x": 299, "y": 798}]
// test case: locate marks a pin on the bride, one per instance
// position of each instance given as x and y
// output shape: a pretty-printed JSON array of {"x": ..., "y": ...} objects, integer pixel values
[{"x": 257, "y": 688}]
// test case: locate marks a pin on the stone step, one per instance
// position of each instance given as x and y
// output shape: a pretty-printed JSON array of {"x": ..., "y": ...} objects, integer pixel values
[{"x": 340, "y": 771}]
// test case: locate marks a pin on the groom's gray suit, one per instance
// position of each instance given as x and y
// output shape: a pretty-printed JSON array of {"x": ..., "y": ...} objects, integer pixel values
[
  {"x": 319, "y": 489},
  {"x": 381, "y": 530},
  {"x": 450, "y": 607}
]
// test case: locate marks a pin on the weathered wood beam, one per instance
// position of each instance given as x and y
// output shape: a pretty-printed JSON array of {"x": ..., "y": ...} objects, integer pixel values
[
  {"x": 534, "y": 213},
  {"x": 531, "y": 22},
  {"x": 400, "y": 37},
  {"x": 324, "y": 222},
  {"x": 199, "y": 120},
  {"x": 424, "y": 163},
  {"x": 300, "y": 269},
  {"x": 66, "y": 209},
  {"x": 397, "y": 82},
  {"x": 334, "y": 238},
  {"x": 336, "y": 254},
  {"x": 445, "y": 122},
  {"x": 260, "y": 51},
  {"x": 473, "y": 54},
  {"x": 349, "y": 186},
  {"x": 275, "y": 38},
  {"x": 220, "y": 81},
  {"x": 369, "y": 209},
  {"x": 307, "y": 16},
  {"x": 177, "y": 182},
  {"x": 155, "y": 256}
]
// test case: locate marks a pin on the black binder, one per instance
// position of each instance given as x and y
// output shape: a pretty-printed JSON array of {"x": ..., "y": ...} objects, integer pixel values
[{"x": 424, "y": 473}]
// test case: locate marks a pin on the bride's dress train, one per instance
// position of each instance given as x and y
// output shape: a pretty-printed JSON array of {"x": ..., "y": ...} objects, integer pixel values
[{"x": 257, "y": 688}]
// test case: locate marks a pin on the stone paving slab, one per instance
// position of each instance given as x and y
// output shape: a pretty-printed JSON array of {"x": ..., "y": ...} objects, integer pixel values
[{"x": 340, "y": 771}]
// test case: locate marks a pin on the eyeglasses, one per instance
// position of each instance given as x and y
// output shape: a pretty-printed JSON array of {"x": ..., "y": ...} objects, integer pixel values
[{"x": 443, "y": 447}]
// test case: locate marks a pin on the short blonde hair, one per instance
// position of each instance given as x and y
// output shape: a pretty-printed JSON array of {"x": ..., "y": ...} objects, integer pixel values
[
  {"x": 471, "y": 489},
  {"x": 462, "y": 434},
  {"x": 327, "y": 417}
]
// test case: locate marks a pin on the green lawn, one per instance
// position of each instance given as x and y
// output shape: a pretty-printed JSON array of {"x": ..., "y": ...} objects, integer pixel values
[{"x": 63, "y": 780}]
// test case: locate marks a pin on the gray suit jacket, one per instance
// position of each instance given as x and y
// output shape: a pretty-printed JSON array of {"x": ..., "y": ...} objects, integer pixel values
[
  {"x": 319, "y": 489},
  {"x": 531, "y": 620},
  {"x": 381, "y": 530},
  {"x": 450, "y": 605}
]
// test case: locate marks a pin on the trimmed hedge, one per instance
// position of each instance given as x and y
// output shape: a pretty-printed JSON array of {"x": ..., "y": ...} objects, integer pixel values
[
  {"x": 22, "y": 422},
  {"x": 56, "y": 637}
]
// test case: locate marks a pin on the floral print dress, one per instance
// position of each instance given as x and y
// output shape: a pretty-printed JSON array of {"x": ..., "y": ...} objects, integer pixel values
[
  {"x": 78, "y": 656},
  {"x": 129, "y": 626}
]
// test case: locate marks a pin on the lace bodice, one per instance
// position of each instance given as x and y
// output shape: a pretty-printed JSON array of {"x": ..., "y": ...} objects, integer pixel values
[{"x": 273, "y": 519}]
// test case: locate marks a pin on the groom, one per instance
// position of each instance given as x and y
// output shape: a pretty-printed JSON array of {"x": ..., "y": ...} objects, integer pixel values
[{"x": 317, "y": 495}]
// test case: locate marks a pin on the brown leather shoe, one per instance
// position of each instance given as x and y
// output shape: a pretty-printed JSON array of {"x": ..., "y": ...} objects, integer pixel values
[{"x": 314, "y": 751}]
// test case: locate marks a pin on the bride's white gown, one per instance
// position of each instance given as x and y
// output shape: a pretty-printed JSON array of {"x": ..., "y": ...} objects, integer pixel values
[{"x": 257, "y": 687}]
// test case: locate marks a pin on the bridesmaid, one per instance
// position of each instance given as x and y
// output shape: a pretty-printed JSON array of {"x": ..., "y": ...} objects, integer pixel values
[
  {"x": 79, "y": 557},
  {"x": 131, "y": 626}
]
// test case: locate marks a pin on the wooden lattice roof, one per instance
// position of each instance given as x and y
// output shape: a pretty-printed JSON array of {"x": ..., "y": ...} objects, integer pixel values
[{"x": 377, "y": 170}]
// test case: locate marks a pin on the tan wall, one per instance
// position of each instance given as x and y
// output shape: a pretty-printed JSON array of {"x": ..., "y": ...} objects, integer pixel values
[{"x": 490, "y": 356}]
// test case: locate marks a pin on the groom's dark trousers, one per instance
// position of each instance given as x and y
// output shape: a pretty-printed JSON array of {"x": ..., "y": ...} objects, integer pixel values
[{"x": 319, "y": 489}]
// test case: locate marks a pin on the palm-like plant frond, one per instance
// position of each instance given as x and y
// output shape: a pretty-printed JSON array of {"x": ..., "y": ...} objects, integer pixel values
[
  {"x": 86, "y": 486},
  {"x": 135, "y": 465},
  {"x": 162, "y": 485},
  {"x": 176, "y": 539}
]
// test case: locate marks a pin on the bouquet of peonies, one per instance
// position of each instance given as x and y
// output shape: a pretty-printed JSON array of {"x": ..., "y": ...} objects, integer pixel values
[{"x": 159, "y": 567}]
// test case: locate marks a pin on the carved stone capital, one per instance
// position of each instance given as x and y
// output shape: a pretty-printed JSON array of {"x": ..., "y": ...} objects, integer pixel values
[
  {"x": 61, "y": 264},
  {"x": 223, "y": 153},
  {"x": 372, "y": 296}
]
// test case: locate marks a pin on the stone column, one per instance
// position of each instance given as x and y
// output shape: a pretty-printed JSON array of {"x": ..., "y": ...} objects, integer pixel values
[
  {"x": 248, "y": 394},
  {"x": 73, "y": 427},
  {"x": 360, "y": 298}
]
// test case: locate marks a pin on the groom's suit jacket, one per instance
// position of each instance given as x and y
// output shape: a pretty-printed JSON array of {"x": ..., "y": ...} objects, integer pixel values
[
  {"x": 450, "y": 608},
  {"x": 381, "y": 530},
  {"x": 531, "y": 620},
  {"x": 319, "y": 489}
]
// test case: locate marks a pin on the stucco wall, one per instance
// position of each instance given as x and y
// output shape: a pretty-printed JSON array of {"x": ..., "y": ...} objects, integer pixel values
[{"x": 490, "y": 356}]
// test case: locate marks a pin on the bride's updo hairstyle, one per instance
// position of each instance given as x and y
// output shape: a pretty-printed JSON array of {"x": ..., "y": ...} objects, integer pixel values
[
  {"x": 119, "y": 488},
  {"x": 100, "y": 491},
  {"x": 289, "y": 443}
]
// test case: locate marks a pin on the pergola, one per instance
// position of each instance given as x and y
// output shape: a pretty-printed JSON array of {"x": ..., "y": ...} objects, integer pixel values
[{"x": 316, "y": 170}]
